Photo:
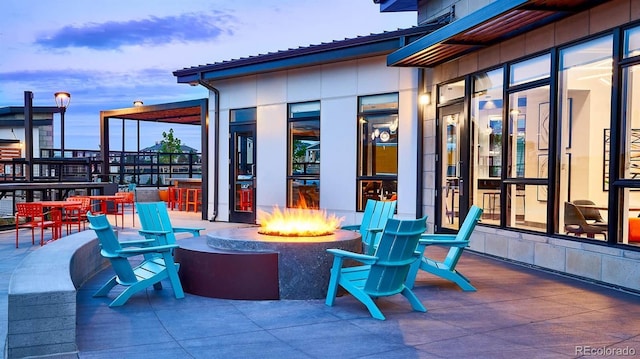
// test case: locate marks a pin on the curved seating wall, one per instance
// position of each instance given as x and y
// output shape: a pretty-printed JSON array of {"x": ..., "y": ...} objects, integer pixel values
[{"x": 42, "y": 296}]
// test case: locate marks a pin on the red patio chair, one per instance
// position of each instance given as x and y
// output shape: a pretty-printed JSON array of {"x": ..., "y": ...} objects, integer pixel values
[
  {"x": 126, "y": 198},
  {"x": 85, "y": 206},
  {"x": 73, "y": 216},
  {"x": 32, "y": 215}
]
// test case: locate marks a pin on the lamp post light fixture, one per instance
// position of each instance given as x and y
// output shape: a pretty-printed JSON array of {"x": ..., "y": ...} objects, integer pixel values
[{"x": 62, "y": 101}]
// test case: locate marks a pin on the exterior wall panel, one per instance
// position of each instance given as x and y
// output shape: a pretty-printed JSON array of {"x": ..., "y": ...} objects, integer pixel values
[
  {"x": 608, "y": 15},
  {"x": 539, "y": 39},
  {"x": 304, "y": 85},
  {"x": 373, "y": 81},
  {"x": 407, "y": 155},
  {"x": 337, "y": 86},
  {"x": 271, "y": 160},
  {"x": 339, "y": 80},
  {"x": 338, "y": 132},
  {"x": 271, "y": 89}
]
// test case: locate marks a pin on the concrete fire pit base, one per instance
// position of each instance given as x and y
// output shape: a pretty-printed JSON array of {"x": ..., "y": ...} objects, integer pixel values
[{"x": 257, "y": 265}]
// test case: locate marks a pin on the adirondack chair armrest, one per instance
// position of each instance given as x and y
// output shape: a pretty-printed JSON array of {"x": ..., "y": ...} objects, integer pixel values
[
  {"x": 447, "y": 243},
  {"x": 137, "y": 242},
  {"x": 128, "y": 252},
  {"x": 194, "y": 231},
  {"x": 366, "y": 259},
  {"x": 351, "y": 227},
  {"x": 155, "y": 236},
  {"x": 375, "y": 230},
  {"x": 151, "y": 232},
  {"x": 437, "y": 237}
]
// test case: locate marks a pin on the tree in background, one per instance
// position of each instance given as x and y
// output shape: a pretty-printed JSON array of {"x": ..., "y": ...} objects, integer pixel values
[
  {"x": 169, "y": 144},
  {"x": 299, "y": 152}
]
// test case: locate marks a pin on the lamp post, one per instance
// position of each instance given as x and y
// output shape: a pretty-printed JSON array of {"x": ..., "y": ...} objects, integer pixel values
[{"x": 62, "y": 101}]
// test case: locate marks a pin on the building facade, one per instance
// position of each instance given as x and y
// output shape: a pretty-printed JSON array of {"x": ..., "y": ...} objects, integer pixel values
[
  {"x": 535, "y": 121},
  {"x": 320, "y": 126},
  {"x": 12, "y": 129},
  {"x": 530, "y": 117}
]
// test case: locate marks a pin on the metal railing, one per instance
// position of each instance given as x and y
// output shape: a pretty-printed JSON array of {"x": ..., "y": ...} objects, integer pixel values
[
  {"x": 151, "y": 169},
  {"x": 145, "y": 169}
]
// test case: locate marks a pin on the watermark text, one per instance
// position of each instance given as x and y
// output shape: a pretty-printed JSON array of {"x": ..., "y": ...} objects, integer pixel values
[{"x": 588, "y": 350}]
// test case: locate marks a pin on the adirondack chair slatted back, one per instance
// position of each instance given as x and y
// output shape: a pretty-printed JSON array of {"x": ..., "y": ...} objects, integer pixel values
[
  {"x": 467, "y": 227},
  {"x": 154, "y": 216},
  {"x": 396, "y": 252},
  {"x": 110, "y": 246},
  {"x": 376, "y": 214}
]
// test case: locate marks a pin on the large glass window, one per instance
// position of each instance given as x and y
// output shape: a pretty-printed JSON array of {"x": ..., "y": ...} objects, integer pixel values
[
  {"x": 530, "y": 70},
  {"x": 632, "y": 42},
  {"x": 450, "y": 92},
  {"x": 584, "y": 112},
  {"x": 243, "y": 115},
  {"x": 377, "y": 148},
  {"x": 487, "y": 107},
  {"x": 303, "y": 182},
  {"x": 527, "y": 136},
  {"x": 630, "y": 194},
  {"x": 511, "y": 143},
  {"x": 562, "y": 162}
]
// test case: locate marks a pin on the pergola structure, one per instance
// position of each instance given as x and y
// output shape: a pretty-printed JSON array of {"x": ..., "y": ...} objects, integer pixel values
[{"x": 193, "y": 112}]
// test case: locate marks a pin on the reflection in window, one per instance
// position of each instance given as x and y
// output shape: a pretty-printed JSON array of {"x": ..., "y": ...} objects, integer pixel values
[
  {"x": 243, "y": 115},
  {"x": 486, "y": 113},
  {"x": 530, "y": 70},
  {"x": 451, "y": 123},
  {"x": 515, "y": 130},
  {"x": 584, "y": 112},
  {"x": 303, "y": 181},
  {"x": 529, "y": 121},
  {"x": 450, "y": 92},
  {"x": 632, "y": 42},
  {"x": 378, "y": 126}
]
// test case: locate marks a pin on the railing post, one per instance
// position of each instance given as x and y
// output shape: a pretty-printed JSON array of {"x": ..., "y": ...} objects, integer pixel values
[{"x": 121, "y": 181}]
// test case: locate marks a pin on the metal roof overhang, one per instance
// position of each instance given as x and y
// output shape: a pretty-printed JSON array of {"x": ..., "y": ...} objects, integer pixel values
[
  {"x": 185, "y": 112},
  {"x": 397, "y": 5},
  {"x": 342, "y": 50},
  {"x": 14, "y": 115},
  {"x": 501, "y": 20},
  {"x": 35, "y": 109}
]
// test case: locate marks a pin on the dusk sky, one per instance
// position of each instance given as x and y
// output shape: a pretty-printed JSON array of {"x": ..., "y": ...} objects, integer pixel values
[{"x": 108, "y": 53}]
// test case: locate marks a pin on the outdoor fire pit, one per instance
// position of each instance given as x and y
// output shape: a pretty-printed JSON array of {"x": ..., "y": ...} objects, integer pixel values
[{"x": 242, "y": 263}]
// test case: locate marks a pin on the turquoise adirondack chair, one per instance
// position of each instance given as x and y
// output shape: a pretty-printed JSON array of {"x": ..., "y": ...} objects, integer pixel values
[
  {"x": 150, "y": 272},
  {"x": 376, "y": 214},
  {"x": 155, "y": 222},
  {"x": 382, "y": 274},
  {"x": 457, "y": 243}
]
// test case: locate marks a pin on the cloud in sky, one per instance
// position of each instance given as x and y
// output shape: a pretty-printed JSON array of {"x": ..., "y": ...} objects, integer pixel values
[
  {"x": 94, "y": 85},
  {"x": 154, "y": 31},
  {"x": 107, "y": 53},
  {"x": 94, "y": 91}
]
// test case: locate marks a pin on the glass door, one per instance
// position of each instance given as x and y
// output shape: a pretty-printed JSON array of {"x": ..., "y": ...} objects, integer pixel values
[
  {"x": 452, "y": 191},
  {"x": 243, "y": 173}
]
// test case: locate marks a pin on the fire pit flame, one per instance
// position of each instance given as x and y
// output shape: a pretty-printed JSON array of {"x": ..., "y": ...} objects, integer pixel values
[{"x": 298, "y": 222}]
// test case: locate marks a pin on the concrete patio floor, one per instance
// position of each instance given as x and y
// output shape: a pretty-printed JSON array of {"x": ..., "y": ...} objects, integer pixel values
[{"x": 516, "y": 312}]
